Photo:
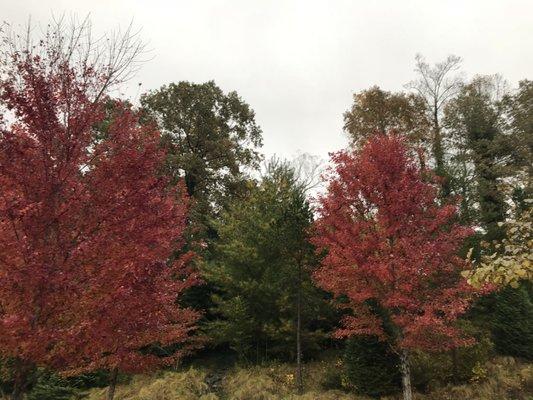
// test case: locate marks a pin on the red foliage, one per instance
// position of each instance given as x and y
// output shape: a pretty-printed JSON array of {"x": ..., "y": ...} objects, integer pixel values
[
  {"x": 391, "y": 247},
  {"x": 86, "y": 228}
]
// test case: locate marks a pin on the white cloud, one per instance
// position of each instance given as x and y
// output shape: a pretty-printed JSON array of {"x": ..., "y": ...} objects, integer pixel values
[{"x": 297, "y": 62}]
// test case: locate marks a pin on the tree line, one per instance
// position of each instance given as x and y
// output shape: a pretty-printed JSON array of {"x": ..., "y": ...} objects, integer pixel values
[{"x": 134, "y": 236}]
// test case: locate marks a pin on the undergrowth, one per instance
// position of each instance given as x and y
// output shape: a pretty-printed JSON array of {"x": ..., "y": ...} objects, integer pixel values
[{"x": 500, "y": 379}]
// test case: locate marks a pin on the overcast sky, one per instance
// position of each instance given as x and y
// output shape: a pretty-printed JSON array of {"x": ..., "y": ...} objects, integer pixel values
[{"x": 297, "y": 63}]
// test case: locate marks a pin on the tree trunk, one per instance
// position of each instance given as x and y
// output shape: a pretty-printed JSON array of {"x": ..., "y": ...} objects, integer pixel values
[
  {"x": 455, "y": 365},
  {"x": 17, "y": 392},
  {"x": 20, "y": 381},
  {"x": 438, "y": 152},
  {"x": 406, "y": 375},
  {"x": 299, "y": 377},
  {"x": 112, "y": 384}
]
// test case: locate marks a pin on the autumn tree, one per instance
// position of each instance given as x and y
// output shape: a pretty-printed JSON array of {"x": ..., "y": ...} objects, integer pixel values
[
  {"x": 391, "y": 252},
  {"x": 377, "y": 111},
  {"x": 211, "y": 139},
  {"x": 87, "y": 221}
]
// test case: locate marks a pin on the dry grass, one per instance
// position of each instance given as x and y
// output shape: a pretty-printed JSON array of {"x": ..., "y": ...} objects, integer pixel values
[
  {"x": 502, "y": 379},
  {"x": 186, "y": 385}
]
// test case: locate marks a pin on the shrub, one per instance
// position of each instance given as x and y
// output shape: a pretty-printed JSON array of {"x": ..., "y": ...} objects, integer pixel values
[
  {"x": 370, "y": 367},
  {"x": 505, "y": 380},
  {"x": 434, "y": 370},
  {"x": 513, "y": 322},
  {"x": 52, "y": 387}
]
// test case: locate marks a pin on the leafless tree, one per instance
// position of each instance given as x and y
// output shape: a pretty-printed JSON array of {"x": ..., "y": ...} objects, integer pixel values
[
  {"x": 437, "y": 85},
  {"x": 308, "y": 169},
  {"x": 103, "y": 62}
]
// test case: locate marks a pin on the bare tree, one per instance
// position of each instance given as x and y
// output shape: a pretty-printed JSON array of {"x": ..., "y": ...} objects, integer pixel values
[
  {"x": 437, "y": 85},
  {"x": 308, "y": 169},
  {"x": 102, "y": 63}
]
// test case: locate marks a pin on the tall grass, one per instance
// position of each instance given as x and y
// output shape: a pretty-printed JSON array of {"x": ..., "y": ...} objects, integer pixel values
[{"x": 501, "y": 379}]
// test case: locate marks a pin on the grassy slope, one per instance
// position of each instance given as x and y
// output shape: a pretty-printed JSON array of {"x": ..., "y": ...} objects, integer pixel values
[{"x": 505, "y": 379}]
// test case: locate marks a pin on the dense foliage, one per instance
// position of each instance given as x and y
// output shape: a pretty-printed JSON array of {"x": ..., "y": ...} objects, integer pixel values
[
  {"x": 87, "y": 224},
  {"x": 124, "y": 228},
  {"x": 262, "y": 257},
  {"x": 211, "y": 139},
  {"x": 391, "y": 250}
]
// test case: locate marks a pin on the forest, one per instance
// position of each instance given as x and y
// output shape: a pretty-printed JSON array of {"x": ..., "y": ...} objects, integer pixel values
[{"x": 149, "y": 250}]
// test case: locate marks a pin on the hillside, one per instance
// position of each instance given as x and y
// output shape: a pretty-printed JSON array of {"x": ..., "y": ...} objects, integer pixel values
[{"x": 500, "y": 379}]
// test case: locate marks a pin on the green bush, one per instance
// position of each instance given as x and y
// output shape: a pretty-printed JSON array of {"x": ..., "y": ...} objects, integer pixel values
[
  {"x": 52, "y": 387},
  {"x": 333, "y": 378},
  {"x": 513, "y": 322},
  {"x": 370, "y": 367},
  {"x": 433, "y": 370}
]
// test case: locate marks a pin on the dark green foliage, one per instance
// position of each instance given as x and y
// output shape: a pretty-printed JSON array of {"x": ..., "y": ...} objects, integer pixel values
[
  {"x": 475, "y": 121},
  {"x": 47, "y": 385},
  {"x": 12, "y": 369},
  {"x": 262, "y": 244},
  {"x": 464, "y": 360},
  {"x": 491, "y": 135},
  {"x": 98, "y": 378},
  {"x": 212, "y": 140},
  {"x": 211, "y": 137},
  {"x": 333, "y": 378},
  {"x": 52, "y": 387},
  {"x": 513, "y": 321},
  {"x": 433, "y": 370},
  {"x": 519, "y": 113},
  {"x": 371, "y": 367}
]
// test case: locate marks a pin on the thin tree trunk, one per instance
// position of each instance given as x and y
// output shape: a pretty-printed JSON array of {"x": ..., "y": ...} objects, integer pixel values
[
  {"x": 17, "y": 392},
  {"x": 406, "y": 375},
  {"x": 112, "y": 384},
  {"x": 438, "y": 152},
  {"x": 20, "y": 381},
  {"x": 299, "y": 377},
  {"x": 455, "y": 365}
]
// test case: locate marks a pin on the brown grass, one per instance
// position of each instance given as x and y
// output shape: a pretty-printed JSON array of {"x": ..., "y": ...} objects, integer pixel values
[{"x": 501, "y": 379}]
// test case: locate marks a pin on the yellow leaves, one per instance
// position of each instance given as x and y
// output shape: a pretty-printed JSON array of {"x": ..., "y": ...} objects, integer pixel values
[
  {"x": 513, "y": 261},
  {"x": 521, "y": 273}
]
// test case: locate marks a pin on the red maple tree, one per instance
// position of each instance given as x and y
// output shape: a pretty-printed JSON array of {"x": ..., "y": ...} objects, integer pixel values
[
  {"x": 87, "y": 225},
  {"x": 391, "y": 251}
]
